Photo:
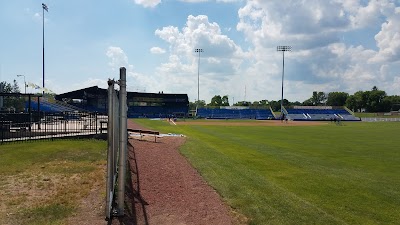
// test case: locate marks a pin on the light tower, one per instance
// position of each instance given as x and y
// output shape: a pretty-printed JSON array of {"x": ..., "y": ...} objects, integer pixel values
[
  {"x": 283, "y": 49},
  {"x": 199, "y": 50},
  {"x": 44, "y": 7}
]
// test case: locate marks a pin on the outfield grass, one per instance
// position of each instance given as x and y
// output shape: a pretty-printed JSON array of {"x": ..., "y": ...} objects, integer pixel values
[
  {"x": 43, "y": 182},
  {"x": 300, "y": 175}
]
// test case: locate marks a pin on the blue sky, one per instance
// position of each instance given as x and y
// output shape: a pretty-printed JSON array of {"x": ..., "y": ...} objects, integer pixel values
[{"x": 337, "y": 45}]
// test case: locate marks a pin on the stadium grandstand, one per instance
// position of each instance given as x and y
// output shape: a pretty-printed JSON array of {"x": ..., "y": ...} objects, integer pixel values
[
  {"x": 319, "y": 113},
  {"x": 226, "y": 112},
  {"x": 140, "y": 105}
]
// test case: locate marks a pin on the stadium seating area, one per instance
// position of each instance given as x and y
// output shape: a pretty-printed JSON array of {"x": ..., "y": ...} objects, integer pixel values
[
  {"x": 318, "y": 114},
  {"x": 51, "y": 107},
  {"x": 259, "y": 114},
  {"x": 156, "y": 112}
]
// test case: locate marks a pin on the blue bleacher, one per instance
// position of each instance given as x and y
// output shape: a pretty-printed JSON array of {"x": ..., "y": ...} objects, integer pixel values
[
  {"x": 49, "y": 107},
  {"x": 259, "y": 114},
  {"x": 320, "y": 114},
  {"x": 155, "y": 111}
]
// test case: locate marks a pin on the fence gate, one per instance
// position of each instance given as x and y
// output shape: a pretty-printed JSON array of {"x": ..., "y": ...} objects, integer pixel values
[{"x": 117, "y": 136}]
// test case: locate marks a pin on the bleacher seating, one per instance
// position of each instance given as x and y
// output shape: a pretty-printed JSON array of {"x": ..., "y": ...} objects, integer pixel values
[
  {"x": 259, "y": 114},
  {"x": 156, "y": 111},
  {"x": 320, "y": 114},
  {"x": 50, "y": 107}
]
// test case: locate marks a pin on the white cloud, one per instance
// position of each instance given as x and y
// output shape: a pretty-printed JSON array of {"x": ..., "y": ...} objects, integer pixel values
[
  {"x": 117, "y": 57},
  {"x": 388, "y": 39},
  {"x": 135, "y": 81},
  {"x": 220, "y": 60},
  {"x": 319, "y": 60},
  {"x": 157, "y": 50},
  {"x": 148, "y": 3}
]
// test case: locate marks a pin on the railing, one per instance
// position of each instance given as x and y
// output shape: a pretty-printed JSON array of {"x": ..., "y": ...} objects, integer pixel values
[{"x": 60, "y": 125}]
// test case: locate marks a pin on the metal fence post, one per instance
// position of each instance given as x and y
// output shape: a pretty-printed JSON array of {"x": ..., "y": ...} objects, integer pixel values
[
  {"x": 110, "y": 152},
  {"x": 123, "y": 141}
]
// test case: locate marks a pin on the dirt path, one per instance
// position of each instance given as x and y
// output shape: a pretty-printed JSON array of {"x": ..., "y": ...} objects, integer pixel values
[
  {"x": 162, "y": 189},
  {"x": 166, "y": 189}
]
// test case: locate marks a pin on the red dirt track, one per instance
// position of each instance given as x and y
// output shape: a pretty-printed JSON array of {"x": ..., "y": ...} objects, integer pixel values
[{"x": 166, "y": 189}]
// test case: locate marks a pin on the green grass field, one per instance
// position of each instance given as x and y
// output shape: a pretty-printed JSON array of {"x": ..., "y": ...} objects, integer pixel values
[
  {"x": 43, "y": 182},
  {"x": 325, "y": 174}
]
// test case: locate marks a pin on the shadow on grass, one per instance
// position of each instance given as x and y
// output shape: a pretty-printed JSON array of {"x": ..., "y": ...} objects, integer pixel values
[{"x": 135, "y": 206}]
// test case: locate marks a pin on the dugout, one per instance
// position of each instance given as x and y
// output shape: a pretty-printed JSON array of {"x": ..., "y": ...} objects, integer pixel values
[{"x": 140, "y": 105}]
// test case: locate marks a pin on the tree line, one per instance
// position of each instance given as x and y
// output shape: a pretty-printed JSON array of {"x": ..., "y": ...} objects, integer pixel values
[
  {"x": 374, "y": 100},
  {"x": 9, "y": 102}
]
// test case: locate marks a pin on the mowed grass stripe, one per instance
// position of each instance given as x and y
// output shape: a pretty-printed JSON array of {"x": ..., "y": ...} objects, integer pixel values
[
  {"x": 300, "y": 175},
  {"x": 248, "y": 189}
]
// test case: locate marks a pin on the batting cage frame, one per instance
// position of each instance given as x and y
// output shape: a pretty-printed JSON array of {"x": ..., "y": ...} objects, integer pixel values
[{"x": 117, "y": 136}]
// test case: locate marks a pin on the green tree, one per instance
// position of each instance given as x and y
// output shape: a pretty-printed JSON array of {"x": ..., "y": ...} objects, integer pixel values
[
  {"x": 375, "y": 101},
  {"x": 394, "y": 102},
  {"x": 337, "y": 98},
  {"x": 351, "y": 103},
  {"x": 16, "y": 102},
  {"x": 242, "y": 103},
  {"x": 275, "y": 105},
  {"x": 225, "y": 100},
  {"x": 264, "y": 102},
  {"x": 216, "y": 101},
  {"x": 193, "y": 105},
  {"x": 357, "y": 101},
  {"x": 318, "y": 98}
]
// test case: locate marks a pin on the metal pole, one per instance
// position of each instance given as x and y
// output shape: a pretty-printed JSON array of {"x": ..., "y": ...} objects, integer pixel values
[
  {"x": 123, "y": 141},
  {"x": 43, "y": 49},
  {"x": 198, "y": 79},
  {"x": 283, "y": 49},
  {"x": 44, "y": 7},
  {"x": 110, "y": 159},
  {"x": 283, "y": 75},
  {"x": 199, "y": 50}
]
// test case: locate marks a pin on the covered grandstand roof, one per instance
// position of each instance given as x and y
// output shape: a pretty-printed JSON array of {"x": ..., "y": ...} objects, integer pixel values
[
  {"x": 79, "y": 94},
  {"x": 95, "y": 91}
]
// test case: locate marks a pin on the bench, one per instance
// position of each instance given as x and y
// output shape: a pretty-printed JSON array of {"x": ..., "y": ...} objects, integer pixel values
[{"x": 142, "y": 132}]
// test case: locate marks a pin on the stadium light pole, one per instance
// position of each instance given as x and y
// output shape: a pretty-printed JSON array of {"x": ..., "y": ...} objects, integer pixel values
[
  {"x": 44, "y": 7},
  {"x": 283, "y": 49},
  {"x": 199, "y": 50},
  {"x": 24, "y": 81}
]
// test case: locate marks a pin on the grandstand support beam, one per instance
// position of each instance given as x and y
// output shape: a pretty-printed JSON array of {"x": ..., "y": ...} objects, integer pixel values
[
  {"x": 123, "y": 141},
  {"x": 199, "y": 50},
  {"x": 283, "y": 49}
]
